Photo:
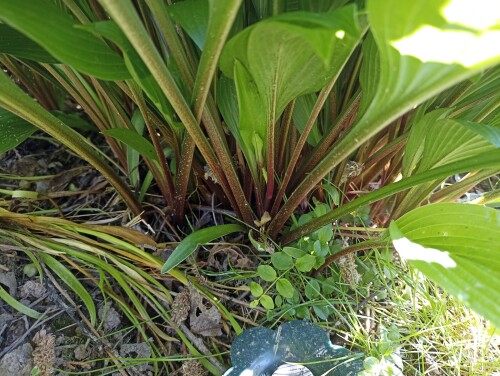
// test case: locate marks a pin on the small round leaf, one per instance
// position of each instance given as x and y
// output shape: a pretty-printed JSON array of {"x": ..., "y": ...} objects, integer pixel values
[
  {"x": 285, "y": 288},
  {"x": 305, "y": 263},
  {"x": 266, "y": 272},
  {"x": 267, "y": 302},
  {"x": 281, "y": 261},
  {"x": 256, "y": 289}
]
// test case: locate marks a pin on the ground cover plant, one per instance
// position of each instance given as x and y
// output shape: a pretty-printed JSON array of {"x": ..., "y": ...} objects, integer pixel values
[{"x": 329, "y": 151}]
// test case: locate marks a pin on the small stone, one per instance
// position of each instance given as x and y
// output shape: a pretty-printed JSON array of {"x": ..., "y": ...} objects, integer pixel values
[
  {"x": 193, "y": 368},
  {"x": 32, "y": 289},
  {"x": 17, "y": 362},
  {"x": 110, "y": 317},
  {"x": 139, "y": 351},
  {"x": 9, "y": 279},
  {"x": 81, "y": 352}
]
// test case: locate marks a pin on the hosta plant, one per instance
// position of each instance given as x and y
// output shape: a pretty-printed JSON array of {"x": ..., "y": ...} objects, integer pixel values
[{"x": 287, "y": 116}]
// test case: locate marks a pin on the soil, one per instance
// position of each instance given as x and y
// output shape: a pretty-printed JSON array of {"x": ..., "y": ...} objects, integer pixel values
[{"x": 57, "y": 343}]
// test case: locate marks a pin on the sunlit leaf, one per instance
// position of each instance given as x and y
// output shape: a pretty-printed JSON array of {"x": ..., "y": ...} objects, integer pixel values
[
  {"x": 455, "y": 245},
  {"x": 303, "y": 52},
  {"x": 421, "y": 53}
]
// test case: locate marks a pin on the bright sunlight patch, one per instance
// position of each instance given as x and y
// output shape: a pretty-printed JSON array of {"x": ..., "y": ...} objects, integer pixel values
[{"x": 409, "y": 250}]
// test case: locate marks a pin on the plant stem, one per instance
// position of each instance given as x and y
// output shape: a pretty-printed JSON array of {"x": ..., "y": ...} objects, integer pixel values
[
  {"x": 125, "y": 15},
  {"x": 368, "y": 244},
  {"x": 490, "y": 159},
  {"x": 15, "y": 100}
]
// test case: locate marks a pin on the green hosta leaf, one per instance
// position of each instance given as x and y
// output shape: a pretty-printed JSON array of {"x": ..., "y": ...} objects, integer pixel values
[
  {"x": 415, "y": 145},
  {"x": 74, "y": 121},
  {"x": 227, "y": 101},
  {"x": 422, "y": 53},
  {"x": 13, "y": 130},
  {"x": 192, "y": 15},
  {"x": 449, "y": 141},
  {"x": 285, "y": 288},
  {"x": 191, "y": 242},
  {"x": 133, "y": 140},
  {"x": 256, "y": 289},
  {"x": 134, "y": 64},
  {"x": 488, "y": 132},
  {"x": 266, "y": 272},
  {"x": 303, "y": 52},
  {"x": 435, "y": 141},
  {"x": 281, "y": 261},
  {"x": 457, "y": 246},
  {"x": 267, "y": 302},
  {"x": 301, "y": 112},
  {"x": 305, "y": 263},
  {"x": 133, "y": 155},
  {"x": 14, "y": 43},
  {"x": 54, "y": 30}
]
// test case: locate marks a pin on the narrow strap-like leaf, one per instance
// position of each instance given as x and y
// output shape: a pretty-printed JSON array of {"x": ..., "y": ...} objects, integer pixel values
[{"x": 187, "y": 246}]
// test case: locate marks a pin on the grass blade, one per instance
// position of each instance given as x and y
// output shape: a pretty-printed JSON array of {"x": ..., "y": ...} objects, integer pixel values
[
  {"x": 7, "y": 298},
  {"x": 72, "y": 282},
  {"x": 187, "y": 246}
]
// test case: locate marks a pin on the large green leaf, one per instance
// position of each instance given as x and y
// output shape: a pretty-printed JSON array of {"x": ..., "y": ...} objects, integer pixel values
[
  {"x": 191, "y": 242},
  {"x": 279, "y": 59},
  {"x": 192, "y": 15},
  {"x": 301, "y": 112},
  {"x": 13, "y": 130},
  {"x": 134, "y": 64},
  {"x": 434, "y": 142},
  {"x": 422, "y": 52},
  {"x": 486, "y": 160},
  {"x": 134, "y": 140},
  {"x": 14, "y": 43},
  {"x": 457, "y": 246},
  {"x": 54, "y": 30},
  {"x": 421, "y": 48}
]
